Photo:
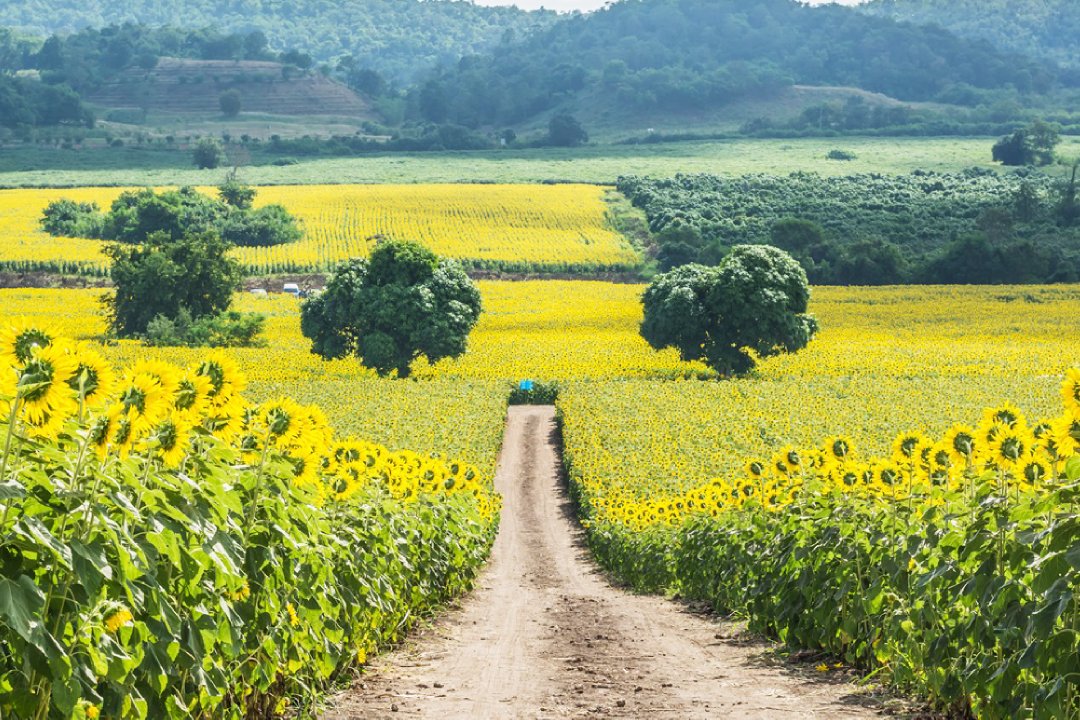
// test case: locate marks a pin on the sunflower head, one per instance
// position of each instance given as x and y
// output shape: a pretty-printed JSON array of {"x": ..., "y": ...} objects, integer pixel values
[
  {"x": 93, "y": 379},
  {"x": 1070, "y": 392},
  {"x": 19, "y": 338}
]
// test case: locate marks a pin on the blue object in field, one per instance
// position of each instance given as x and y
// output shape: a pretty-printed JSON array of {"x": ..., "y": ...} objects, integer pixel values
[{"x": 526, "y": 385}]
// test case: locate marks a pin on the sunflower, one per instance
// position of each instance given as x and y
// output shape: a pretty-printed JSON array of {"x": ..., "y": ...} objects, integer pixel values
[
  {"x": 168, "y": 376},
  {"x": 961, "y": 444},
  {"x": 43, "y": 392},
  {"x": 839, "y": 448},
  {"x": 1010, "y": 447},
  {"x": 169, "y": 441},
  {"x": 888, "y": 479},
  {"x": 906, "y": 449},
  {"x": 192, "y": 397},
  {"x": 226, "y": 380},
  {"x": 20, "y": 337},
  {"x": 848, "y": 477},
  {"x": 93, "y": 379},
  {"x": 102, "y": 429},
  {"x": 1006, "y": 414},
  {"x": 1034, "y": 472},
  {"x": 1065, "y": 431},
  {"x": 1070, "y": 392},
  {"x": 144, "y": 400}
]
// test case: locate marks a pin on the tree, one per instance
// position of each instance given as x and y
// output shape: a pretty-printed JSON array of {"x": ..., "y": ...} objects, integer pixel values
[
  {"x": 1033, "y": 145},
  {"x": 164, "y": 276},
  {"x": 230, "y": 103},
  {"x": 388, "y": 310},
  {"x": 755, "y": 301},
  {"x": 565, "y": 131},
  {"x": 208, "y": 154}
]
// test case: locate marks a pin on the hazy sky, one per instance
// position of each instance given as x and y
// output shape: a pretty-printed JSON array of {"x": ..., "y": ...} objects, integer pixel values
[{"x": 563, "y": 5}]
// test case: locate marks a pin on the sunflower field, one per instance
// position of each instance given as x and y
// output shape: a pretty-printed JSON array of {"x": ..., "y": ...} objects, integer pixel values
[
  {"x": 174, "y": 551},
  {"x": 516, "y": 228}
]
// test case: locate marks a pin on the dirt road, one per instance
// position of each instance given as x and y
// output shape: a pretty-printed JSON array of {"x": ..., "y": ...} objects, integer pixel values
[{"x": 544, "y": 635}]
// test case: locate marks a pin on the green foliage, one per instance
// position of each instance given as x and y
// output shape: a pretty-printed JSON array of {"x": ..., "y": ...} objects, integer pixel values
[
  {"x": 68, "y": 218},
  {"x": 230, "y": 103},
  {"x": 685, "y": 56},
  {"x": 542, "y": 393},
  {"x": 871, "y": 229},
  {"x": 228, "y": 329},
  {"x": 973, "y": 610},
  {"x": 399, "y": 39},
  {"x": 163, "y": 276},
  {"x": 565, "y": 131},
  {"x": 401, "y": 303},
  {"x": 25, "y": 102},
  {"x": 208, "y": 154},
  {"x": 1032, "y": 145},
  {"x": 137, "y": 214},
  {"x": 1046, "y": 29},
  {"x": 225, "y": 591},
  {"x": 843, "y": 155},
  {"x": 752, "y": 304}
]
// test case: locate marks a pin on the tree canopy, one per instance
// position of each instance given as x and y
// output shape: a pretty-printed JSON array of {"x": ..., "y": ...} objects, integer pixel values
[
  {"x": 388, "y": 310},
  {"x": 752, "y": 304},
  {"x": 168, "y": 277},
  {"x": 686, "y": 55}
]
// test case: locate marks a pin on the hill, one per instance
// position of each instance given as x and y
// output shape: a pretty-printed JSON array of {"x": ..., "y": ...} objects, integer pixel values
[
  {"x": 398, "y": 38},
  {"x": 193, "y": 86},
  {"x": 1040, "y": 28},
  {"x": 641, "y": 56}
]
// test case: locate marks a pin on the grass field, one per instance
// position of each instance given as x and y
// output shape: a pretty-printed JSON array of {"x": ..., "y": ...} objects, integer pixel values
[
  {"x": 40, "y": 167},
  {"x": 522, "y": 228}
]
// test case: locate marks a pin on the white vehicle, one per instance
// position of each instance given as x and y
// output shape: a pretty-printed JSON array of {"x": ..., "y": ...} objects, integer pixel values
[
  {"x": 258, "y": 292},
  {"x": 292, "y": 289}
]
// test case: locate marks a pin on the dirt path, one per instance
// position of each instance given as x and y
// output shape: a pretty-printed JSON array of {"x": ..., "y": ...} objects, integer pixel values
[{"x": 546, "y": 636}]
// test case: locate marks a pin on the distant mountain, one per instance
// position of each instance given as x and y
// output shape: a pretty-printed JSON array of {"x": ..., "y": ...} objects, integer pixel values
[
  {"x": 398, "y": 38},
  {"x": 1040, "y": 28},
  {"x": 669, "y": 56}
]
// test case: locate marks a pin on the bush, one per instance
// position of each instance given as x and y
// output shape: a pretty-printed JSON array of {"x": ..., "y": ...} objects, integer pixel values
[
  {"x": 542, "y": 393},
  {"x": 230, "y": 103},
  {"x": 208, "y": 154},
  {"x": 227, "y": 329},
  {"x": 68, "y": 218},
  {"x": 841, "y": 155}
]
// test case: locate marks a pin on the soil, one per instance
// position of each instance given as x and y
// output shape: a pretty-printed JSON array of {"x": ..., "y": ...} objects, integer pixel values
[{"x": 546, "y": 635}]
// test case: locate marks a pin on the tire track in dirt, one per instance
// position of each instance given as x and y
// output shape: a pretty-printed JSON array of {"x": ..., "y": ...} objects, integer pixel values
[{"x": 545, "y": 635}]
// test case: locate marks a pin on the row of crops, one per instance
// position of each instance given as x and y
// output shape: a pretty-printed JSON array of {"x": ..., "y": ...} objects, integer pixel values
[
  {"x": 171, "y": 550},
  {"x": 516, "y": 228},
  {"x": 859, "y": 500}
]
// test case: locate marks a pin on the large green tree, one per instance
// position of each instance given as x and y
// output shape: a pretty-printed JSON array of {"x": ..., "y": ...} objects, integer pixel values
[
  {"x": 163, "y": 276},
  {"x": 401, "y": 303},
  {"x": 754, "y": 300}
]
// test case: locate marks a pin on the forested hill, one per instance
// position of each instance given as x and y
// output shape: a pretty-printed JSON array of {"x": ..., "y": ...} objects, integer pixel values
[
  {"x": 699, "y": 54},
  {"x": 398, "y": 38},
  {"x": 1040, "y": 28}
]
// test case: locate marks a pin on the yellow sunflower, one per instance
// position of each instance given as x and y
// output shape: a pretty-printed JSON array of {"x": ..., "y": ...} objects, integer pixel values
[
  {"x": 44, "y": 396},
  {"x": 19, "y": 337},
  {"x": 961, "y": 444},
  {"x": 145, "y": 402},
  {"x": 1010, "y": 447},
  {"x": 192, "y": 397},
  {"x": 93, "y": 379},
  {"x": 1070, "y": 392},
  {"x": 169, "y": 441},
  {"x": 839, "y": 448},
  {"x": 1065, "y": 432}
]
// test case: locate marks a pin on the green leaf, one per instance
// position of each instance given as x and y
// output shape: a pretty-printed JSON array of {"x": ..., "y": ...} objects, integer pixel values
[
  {"x": 12, "y": 490},
  {"x": 21, "y": 605}
]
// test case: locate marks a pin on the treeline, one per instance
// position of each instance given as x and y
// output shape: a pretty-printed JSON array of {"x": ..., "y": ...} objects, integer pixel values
[
  {"x": 693, "y": 54},
  {"x": 1046, "y": 28},
  {"x": 970, "y": 228},
  {"x": 399, "y": 38}
]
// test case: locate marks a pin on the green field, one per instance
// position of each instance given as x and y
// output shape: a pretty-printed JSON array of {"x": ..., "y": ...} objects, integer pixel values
[{"x": 40, "y": 167}]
